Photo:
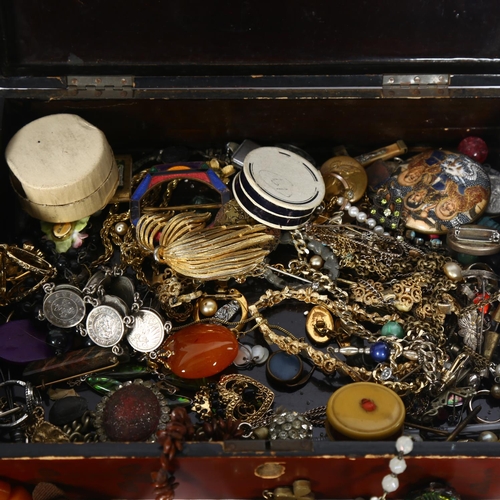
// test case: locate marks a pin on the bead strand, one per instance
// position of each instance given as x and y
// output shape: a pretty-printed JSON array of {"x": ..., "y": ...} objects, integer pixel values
[
  {"x": 390, "y": 482},
  {"x": 361, "y": 217}
]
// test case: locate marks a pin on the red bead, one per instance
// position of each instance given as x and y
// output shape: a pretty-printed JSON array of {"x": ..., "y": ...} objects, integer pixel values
[
  {"x": 201, "y": 350},
  {"x": 474, "y": 147},
  {"x": 368, "y": 405},
  {"x": 479, "y": 298}
]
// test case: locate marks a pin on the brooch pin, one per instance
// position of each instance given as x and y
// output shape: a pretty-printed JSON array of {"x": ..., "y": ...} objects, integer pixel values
[{"x": 238, "y": 397}]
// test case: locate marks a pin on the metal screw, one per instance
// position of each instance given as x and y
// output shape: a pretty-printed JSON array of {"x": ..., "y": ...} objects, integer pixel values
[
  {"x": 417, "y": 79},
  {"x": 391, "y": 80}
]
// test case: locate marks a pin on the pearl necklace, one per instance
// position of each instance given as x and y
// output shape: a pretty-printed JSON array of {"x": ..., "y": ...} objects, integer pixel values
[
  {"x": 354, "y": 212},
  {"x": 397, "y": 465}
]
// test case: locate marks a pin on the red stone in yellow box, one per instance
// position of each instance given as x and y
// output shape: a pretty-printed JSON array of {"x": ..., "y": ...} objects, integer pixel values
[{"x": 200, "y": 350}]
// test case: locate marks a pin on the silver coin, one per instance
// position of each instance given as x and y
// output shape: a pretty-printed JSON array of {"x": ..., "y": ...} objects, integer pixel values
[
  {"x": 122, "y": 287},
  {"x": 100, "y": 278},
  {"x": 105, "y": 326},
  {"x": 116, "y": 303},
  {"x": 67, "y": 286},
  {"x": 148, "y": 331},
  {"x": 64, "y": 308}
]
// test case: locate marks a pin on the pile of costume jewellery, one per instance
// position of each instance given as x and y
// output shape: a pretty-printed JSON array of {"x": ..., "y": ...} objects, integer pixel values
[{"x": 211, "y": 291}]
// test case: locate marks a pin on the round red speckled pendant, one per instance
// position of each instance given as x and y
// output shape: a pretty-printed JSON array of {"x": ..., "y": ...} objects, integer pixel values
[
  {"x": 134, "y": 412},
  {"x": 201, "y": 350}
]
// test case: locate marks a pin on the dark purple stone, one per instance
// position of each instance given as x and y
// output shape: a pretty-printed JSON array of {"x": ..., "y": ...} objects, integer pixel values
[{"x": 23, "y": 341}]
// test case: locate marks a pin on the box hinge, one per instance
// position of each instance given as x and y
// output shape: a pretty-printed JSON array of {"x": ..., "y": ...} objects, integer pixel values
[
  {"x": 117, "y": 87},
  {"x": 416, "y": 86}
]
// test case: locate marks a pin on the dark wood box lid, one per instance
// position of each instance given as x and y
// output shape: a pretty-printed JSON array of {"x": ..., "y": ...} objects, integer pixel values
[{"x": 264, "y": 37}]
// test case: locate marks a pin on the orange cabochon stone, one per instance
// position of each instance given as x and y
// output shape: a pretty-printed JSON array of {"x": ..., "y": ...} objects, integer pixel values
[
  {"x": 5, "y": 490},
  {"x": 201, "y": 350},
  {"x": 20, "y": 493}
]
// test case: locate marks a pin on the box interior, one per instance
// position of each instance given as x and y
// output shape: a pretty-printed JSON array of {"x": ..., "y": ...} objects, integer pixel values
[{"x": 317, "y": 126}]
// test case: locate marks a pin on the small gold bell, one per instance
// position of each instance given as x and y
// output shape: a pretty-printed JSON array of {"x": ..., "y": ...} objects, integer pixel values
[{"x": 284, "y": 493}]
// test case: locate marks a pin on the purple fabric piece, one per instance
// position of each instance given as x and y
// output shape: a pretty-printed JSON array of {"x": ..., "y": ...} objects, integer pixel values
[{"x": 23, "y": 341}]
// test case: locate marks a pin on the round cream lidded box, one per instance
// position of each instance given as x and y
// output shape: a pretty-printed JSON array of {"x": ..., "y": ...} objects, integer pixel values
[{"x": 62, "y": 168}]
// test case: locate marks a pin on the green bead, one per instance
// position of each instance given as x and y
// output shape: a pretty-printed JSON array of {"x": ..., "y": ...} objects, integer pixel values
[
  {"x": 178, "y": 400},
  {"x": 466, "y": 259},
  {"x": 103, "y": 385},
  {"x": 392, "y": 329}
]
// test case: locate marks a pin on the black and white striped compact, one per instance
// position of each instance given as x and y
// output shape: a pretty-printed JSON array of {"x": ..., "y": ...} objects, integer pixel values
[{"x": 278, "y": 188}]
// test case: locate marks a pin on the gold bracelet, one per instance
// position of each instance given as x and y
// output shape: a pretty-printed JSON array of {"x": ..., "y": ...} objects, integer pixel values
[
  {"x": 17, "y": 264},
  {"x": 329, "y": 364}
]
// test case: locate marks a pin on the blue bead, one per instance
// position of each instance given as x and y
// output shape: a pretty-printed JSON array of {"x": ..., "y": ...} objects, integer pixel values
[{"x": 380, "y": 351}]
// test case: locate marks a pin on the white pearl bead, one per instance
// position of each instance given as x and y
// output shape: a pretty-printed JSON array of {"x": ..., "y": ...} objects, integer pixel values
[
  {"x": 347, "y": 206},
  {"x": 371, "y": 223},
  {"x": 361, "y": 217},
  {"x": 208, "y": 307},
  {"x": 374, "y": 498},
  {"x": 390, "y": 483},
  {"x": 378, "y": 230},
  {"x": 497, "y": 370},
  {"x": 353, "y": 211},
  {"x": 453, "y": 271},
  {"x": 487, "y": 437},
  {"x": 340, "y": 200},
  {"x": 121, "y": 228},
  {"x": 404, "y": 444},
  {"x": 397, "y": 465}
]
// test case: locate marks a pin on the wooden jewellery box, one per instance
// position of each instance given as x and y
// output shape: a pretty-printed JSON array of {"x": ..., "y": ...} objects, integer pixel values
[{"x": 197, "y": 76}]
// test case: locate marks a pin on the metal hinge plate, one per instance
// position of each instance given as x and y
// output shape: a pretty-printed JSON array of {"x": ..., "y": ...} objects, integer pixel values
[
  {"x": 416, "y": 86},
  {"x": 107, "y": 87}
]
